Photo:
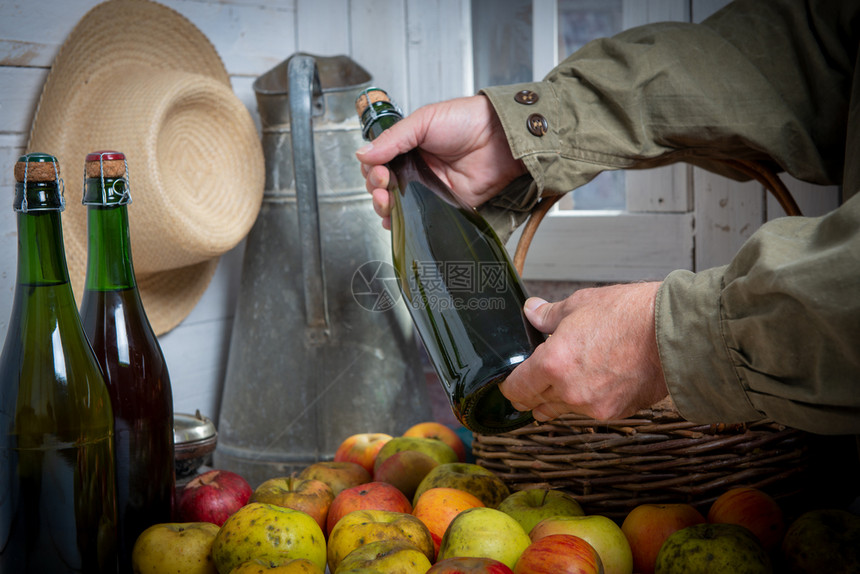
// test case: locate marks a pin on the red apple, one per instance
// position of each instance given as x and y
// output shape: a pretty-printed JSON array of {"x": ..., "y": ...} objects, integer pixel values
[
  {"x": 469, "y": 565},
  {"x": 648, "y": 526},
  {"x": 338, "y": 475},
  {"x": 754, "y": 509},
  {"x": 599, "y": 531},
  {"x": 212, "y": 497},
  {"x": 405, "y": 470},
  {"x": 312, "y": 497},
  {"x": 361, "y": 448},
  {"x": 370, "y": 496},
  {"x": 437, "y": 507},
  {"x": 432, "y": 429},
  {"x": 559, "y": 554}
]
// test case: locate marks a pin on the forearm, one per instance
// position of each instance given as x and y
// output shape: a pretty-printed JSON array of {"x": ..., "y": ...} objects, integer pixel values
[{"x": 776, "y": 333}]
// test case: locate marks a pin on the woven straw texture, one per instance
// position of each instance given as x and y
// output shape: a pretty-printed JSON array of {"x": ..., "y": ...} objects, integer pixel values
[
  {"x": 137, "y": 77},
  {"x": 652, "y": 457}
]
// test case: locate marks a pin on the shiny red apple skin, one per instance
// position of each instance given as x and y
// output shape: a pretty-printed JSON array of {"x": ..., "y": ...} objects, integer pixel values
[
  {"x": 361, "y": 448},
  {"x": 465, "y": 565},
  {"x": 559, "y": 554},
  {"x": 369, "y": 496},
  {"x": 648, "y": 526},
  {"x": 754, "y": 509},
  {"x": 212, "y": 497}
]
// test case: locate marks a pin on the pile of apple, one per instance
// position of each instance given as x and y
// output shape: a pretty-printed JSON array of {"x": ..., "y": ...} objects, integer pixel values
[{"x": 411, "y": 505}]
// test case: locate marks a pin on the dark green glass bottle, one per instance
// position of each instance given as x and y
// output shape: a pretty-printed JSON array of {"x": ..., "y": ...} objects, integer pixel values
[
  {"x": 456, "y": 277},
  {"x": 57, "y": 483},
  {"x": 129, "y": 354}
]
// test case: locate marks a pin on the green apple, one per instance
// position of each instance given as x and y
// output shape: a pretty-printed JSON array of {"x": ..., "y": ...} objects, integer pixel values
[
  {"x": 720, "y": 548},
  {"x": 530, "y": 506},
  {"x": 484, "y": 532},
  {"x": 474, "y": 479},
  {"x": 175, "y": 547},
  {"x": 338, "y": 475},
  {"x": 270, "y": 533},
  {"x": 434, "y": 448},
  {"x": 405, "y": 470},
  {"x": 599, "y": 531},
  {"x": 824, "y": 540},
  {"x": 389, "y": 556}
]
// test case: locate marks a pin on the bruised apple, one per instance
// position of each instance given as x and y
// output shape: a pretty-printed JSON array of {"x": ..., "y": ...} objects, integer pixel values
[
  {"x": 312, "y": 497},
  {"x": 648, "y": 526},
  {"x": 370, "y": 496},
  {"x": 338, "y": 475},
  {"x": 297, "y": 566},
  {"x": 390, "y": 556},
  {"x": 269, "y": 533},
  {"x": 212, "y": 497},
  {"x": 365, "y": 526},
  {"x": 713, "y": 549}
]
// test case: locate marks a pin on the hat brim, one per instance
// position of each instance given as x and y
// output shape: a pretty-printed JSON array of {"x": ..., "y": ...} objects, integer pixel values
[{"x": 114, "y": 37}]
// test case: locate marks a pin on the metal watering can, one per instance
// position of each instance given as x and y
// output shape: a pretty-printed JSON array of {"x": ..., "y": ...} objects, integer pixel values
[{"x": 319, "y": 349}]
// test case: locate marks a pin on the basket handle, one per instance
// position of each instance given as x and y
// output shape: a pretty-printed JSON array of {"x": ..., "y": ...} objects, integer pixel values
[{"x": 753, "y": 169}]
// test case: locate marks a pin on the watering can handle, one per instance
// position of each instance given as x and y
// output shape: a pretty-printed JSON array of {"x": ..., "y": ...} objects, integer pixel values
[{"x": 304, "y": 85}]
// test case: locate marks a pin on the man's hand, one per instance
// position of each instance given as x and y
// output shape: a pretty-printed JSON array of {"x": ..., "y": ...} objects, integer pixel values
[{"x": 601, "y": 360}]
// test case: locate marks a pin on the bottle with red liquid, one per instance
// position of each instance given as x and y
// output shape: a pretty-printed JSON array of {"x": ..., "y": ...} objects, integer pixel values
[{"x": 129, "y": 354}]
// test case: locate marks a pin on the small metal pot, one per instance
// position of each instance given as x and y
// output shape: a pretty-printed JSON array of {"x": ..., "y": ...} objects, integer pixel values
[{"x": 194, "y": 440}]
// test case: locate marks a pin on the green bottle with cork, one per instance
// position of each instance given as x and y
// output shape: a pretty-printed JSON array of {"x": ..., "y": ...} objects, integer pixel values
[
  {"x": 129, "y": 354},
  {"x": 58, "y": 502},
  {"x": 464, "y": 294}
]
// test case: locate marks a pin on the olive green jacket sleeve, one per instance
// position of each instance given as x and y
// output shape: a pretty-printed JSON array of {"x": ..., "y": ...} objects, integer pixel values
[{"x": 776, "y": 333}]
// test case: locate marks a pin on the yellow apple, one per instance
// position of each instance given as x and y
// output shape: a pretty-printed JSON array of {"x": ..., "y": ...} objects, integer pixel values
[
  {"x": 297, "y": 566},
  {"x": 472, "y": 478},
  {"x": 175, "y": 547},
  {"x": 269, "y": 533},
  {"x": 389, "y": 556},
  {"x": 364, "y": 526}
]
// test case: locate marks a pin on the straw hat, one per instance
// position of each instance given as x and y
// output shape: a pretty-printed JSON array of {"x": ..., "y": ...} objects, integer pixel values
[{"x": 137, "y": 77}]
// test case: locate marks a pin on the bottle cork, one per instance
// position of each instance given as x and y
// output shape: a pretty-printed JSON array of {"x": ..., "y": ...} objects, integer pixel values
[
  {"x": 112, "y": 162},
  {"x": 368, "y": 97},
  {"x": 37, "y": 167}
]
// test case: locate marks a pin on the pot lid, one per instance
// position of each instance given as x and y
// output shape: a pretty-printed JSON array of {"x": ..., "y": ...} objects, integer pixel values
[{"x": 190, "y": 428}]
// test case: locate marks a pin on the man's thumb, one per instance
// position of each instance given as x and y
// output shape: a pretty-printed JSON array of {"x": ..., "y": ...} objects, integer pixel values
[{"x": 539, "y": 313}]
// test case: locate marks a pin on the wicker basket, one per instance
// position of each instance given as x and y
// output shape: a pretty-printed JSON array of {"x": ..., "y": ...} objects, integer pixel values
[
  {"x": 653, "y": 457},
  {"x": 656, "y": 455}
]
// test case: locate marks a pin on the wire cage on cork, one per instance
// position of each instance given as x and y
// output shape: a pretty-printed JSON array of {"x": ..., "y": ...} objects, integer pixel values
[{"x": 654, "y": 456}]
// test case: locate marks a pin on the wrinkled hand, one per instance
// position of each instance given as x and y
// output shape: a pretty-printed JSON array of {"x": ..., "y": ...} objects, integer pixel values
[
  {"x": 601, "y": 360},
  {"x": 461, "y": 140}
]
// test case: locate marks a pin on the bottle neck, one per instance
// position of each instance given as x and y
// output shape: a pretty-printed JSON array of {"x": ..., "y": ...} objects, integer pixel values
[
  {"x": 378, "y": 118},
  {"x": 41, "y": 255},
  {"x": 109, "y": 261}
]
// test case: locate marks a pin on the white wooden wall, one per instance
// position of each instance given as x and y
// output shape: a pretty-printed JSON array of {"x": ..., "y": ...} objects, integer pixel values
[
  {"x": 417, "y": 49},
  {"x": 420, "y": 50}
]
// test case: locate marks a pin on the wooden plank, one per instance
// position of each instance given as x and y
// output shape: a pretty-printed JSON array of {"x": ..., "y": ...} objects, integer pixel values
[
  {"x": 322, "y": 27},
  {"x": 813, "y": 200},
  {"x": 662, "y": 189},
  {"x": 438, "y": 50},
  {"x": 250, "y": 39},
  {"x": 544, "y": 37},
  {"x": 32, "y": 34},
  {"x": 609, "y": 246},
  {"x": 378, "y": 44},
  {"x": 20, "y": 89},
  {"x": 727, "y": 213}
]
